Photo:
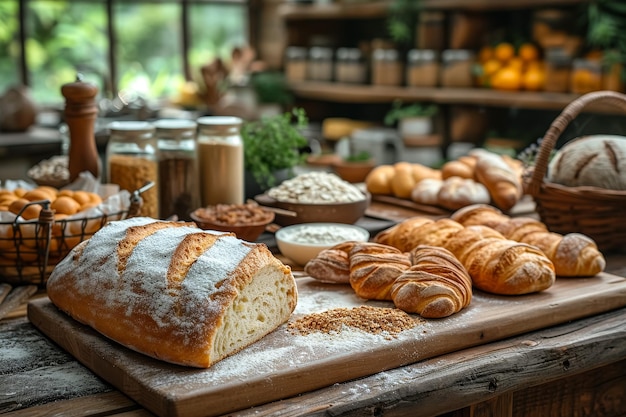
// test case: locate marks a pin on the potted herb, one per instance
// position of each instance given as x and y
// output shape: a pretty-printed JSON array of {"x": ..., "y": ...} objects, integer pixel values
[
  {"x": 355, "y": 167},
  {"x": 273, "y": 147},
  {"x": 413, "y": 119}
]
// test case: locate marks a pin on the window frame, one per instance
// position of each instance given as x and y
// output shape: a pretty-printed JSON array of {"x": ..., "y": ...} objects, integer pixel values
[{"x": 112, "y": 77}]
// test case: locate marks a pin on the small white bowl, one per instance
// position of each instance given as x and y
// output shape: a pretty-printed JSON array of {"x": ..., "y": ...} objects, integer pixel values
[{"x": 303, "y": 242}]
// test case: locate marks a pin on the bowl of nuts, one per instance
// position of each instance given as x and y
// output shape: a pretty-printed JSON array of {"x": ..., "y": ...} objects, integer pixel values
[
  {"x": 316, "y": 197},
  {"x": 247, "y": 221}
]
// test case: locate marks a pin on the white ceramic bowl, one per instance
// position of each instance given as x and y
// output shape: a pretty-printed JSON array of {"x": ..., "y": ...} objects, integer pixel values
[{"x": 302, "y": 242}]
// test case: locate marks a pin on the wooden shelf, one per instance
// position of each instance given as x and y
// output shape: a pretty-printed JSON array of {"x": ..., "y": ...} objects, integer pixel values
[{"x": 377, "y": 9}]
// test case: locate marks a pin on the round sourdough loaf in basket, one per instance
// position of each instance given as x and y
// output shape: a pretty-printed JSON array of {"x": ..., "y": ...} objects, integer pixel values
[
  {"x": 597, "y": 160},
  {"x": 173, "y": 291}
]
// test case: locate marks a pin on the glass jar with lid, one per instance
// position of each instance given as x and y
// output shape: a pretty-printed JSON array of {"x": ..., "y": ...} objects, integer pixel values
[
  {"x": 132, "y": 161},
  {"x": 350, "y": 66},
  {"x": 220, "y": 160},
  {"x": 457, "y": 68},
  {"x": 387, "y": 69},
  {"x": 296, "y": 63},
  {"x": 179, "y": 193},
  {"x": 320, "y": 65},
  {"x": 422, "y": 68}
]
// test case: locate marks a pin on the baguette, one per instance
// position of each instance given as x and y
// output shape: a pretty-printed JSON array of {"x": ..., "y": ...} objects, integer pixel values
[
  {"x": 435, "y": 286},
  {"x": 573, "y": 254},
  {"x": 173, "y": 291},
  {"x": 503, "y": 181}
]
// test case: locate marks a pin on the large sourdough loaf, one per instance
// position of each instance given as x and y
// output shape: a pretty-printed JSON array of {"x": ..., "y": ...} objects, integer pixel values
[{"x": 173, "y": 291}]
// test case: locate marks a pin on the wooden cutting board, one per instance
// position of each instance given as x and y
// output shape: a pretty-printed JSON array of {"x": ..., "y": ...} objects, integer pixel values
[{"x": 283, "y": 364}]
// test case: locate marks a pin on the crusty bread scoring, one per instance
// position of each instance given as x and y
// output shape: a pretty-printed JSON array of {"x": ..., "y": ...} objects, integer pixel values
[{"x": 173, "y": 291}]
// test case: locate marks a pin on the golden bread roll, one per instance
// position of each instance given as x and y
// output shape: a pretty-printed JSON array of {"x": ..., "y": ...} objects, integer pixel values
[
  {"x": 374, "y": 268},
  {"x": 378, "y": 181},
  {"x": 29, "y": 212},
  {"x": 403, "y": 180},
  {"x": 463, "y": 167},
  {"x": 435, "y": 286},
  {"x": 173, "y": 291},
  {"x": 65, "y": 205},
  {"x": 422, "y": 172}
]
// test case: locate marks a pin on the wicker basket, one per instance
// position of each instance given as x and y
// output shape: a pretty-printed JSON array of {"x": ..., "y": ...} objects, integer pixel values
[
  {"x": 596, "y": 212},
  {"x": 29, "y": 250}
]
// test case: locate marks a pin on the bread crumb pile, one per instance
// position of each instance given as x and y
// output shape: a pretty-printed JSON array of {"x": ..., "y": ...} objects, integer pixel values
[{"x": 374, "y": 320}]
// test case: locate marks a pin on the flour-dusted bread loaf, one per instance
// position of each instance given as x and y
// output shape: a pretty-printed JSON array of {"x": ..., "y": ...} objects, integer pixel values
[
  {"x": 173, "y": 291},
  {"x": 598, "y": 161}
]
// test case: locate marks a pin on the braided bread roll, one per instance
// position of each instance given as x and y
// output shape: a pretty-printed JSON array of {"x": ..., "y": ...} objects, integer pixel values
[
  {"x": 573, "y": 254},
  {"x": 435, "y": 286},
  {"x": 374, "y": 268}
]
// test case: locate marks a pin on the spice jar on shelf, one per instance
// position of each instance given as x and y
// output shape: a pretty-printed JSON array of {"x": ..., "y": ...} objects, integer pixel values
[
  {"x": 558, "y": 70},
  {"x": 350, "y": 66},
  {"x": 132, "y": 161},
  {"x": 457, "y": 68},
  {"x": 178, "y": 173},
  {"x": 296, "y": 63},
  {"x": 422, "y": 68},
  {"x": 220, "y": 160},
  {"x": 387, "y": 68},
  {"x": 586, "y": 76},
  {"x": 320, "y": 64}
]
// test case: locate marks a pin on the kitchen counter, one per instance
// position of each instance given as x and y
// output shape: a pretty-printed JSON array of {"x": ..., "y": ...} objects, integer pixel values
[{"x": 574, "y": 368}]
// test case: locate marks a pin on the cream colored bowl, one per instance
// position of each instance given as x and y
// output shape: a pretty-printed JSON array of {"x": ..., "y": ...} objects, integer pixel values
[{"x": 303, "y": 242}]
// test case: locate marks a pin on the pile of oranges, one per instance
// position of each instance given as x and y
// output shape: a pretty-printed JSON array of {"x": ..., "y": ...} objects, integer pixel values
[{"x": 504, "y": 67}]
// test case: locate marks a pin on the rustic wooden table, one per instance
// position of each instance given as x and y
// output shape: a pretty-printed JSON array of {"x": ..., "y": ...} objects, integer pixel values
[{"x": 573, "y": 369}]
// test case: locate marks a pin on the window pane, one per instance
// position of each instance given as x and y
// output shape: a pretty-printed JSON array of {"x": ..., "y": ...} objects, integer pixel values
[
  {"x": 63, "y": 38},
  {"x": 149, "y": 55},
  {"x": 9, "y": 45},
  {"x": 214, "y": 30}
]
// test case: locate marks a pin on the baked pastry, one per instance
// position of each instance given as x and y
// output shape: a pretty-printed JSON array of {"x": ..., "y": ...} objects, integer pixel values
[
  {"x": 494, "y": 263},
  {"x": 503, "y": 181},
  {"x": 332, "y": 264},
  {"x": 464, "y": 167},
  {"x": 427, "y": 191},
  {"x": 173, "y": 291},
  {"x": 374, "y": 268},
  {"x": 573, "y": 254},
  {"x": 499, "y": 265},
  {"x": 457, "y": 192},
  {"x": 435, "y": 286}
]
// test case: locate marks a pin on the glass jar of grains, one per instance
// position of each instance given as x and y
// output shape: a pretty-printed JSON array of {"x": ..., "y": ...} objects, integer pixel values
[
  {"x": 457, "y": 68},
  {"x": 422, "y": 68},
  {"x": 295, "y": 63},
  {"x": 350, "y": 66},
  {"x": 178, "y": 184},
  {"x": 220, "y": 160},
  {"x": 320, "y": 64},
  {"x": 132, "y": 161},
  {"x": 387, "y": 69}
]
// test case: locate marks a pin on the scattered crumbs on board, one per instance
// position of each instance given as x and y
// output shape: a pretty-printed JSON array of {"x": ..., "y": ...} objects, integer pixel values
[{"x": 374, "y": 320}]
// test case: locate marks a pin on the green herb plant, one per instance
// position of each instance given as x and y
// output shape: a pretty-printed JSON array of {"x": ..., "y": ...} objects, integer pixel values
[
  {"x": 402, "y": 20},
  {"x": 361, "y": 156},
  {"x": 606, "y": 29},
  {"x": 274, "y": 143},
  {"x": 399, "y": 111}
]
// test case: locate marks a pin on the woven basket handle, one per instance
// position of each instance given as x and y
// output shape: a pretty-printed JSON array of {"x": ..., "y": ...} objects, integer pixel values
[{"x": 558, "y": 126}]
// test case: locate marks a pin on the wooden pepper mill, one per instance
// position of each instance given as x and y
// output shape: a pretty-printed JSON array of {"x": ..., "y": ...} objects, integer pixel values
[{"x": 80, "y": 115}]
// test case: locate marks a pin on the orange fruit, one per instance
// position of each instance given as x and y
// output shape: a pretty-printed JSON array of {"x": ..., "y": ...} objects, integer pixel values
[
  {"x": 489, "y": 68},
  {"x": 528, "y": 52},
  {"x": 504, "y": 51},
  {"x": 508, "y": 79},
  {"x": 534, "y": 79}
]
